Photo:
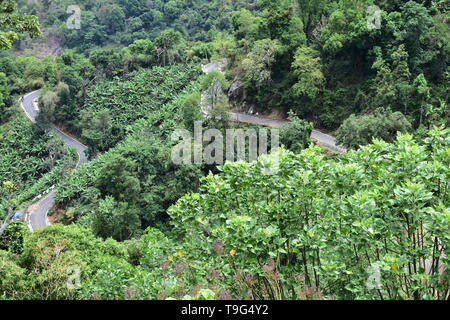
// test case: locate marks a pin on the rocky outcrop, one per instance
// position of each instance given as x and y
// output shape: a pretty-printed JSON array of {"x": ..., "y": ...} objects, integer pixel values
[{"x": 236, "y": 93}]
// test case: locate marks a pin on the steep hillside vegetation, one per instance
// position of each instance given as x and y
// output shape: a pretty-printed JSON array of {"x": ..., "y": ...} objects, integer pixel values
[
  {"x": 31, "y": 161},
  {"x": 121, "y": 22},
  {"x": 325, "y": 60},
  {"x": 320, "y": 229},
  {"x": 371, "y": 223}
]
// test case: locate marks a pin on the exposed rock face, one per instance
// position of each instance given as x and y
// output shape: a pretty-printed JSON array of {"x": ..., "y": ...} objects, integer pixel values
[
  {"x": 236, "y": 93},
  {"x": 214, "y": 66},
  {"x": 238, "y": 96},
  {"x": 205, "y": 104}
]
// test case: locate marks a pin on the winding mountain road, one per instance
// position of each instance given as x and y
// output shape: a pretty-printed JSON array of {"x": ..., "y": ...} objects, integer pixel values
[
  {"x": 38, "y": 216},
  {"x": 317, "y": 136}
]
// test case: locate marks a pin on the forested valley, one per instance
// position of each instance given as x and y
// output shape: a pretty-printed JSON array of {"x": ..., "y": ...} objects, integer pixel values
[{"x": 359, "y": 205}]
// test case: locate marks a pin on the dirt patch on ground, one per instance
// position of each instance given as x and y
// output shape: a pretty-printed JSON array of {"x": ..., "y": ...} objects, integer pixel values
[
  {"x": 54, "y": 218},
  {"x": 32, "y": 208},
  {"x": 40, "y": 47},
  {"x": 275, "y": 115}
]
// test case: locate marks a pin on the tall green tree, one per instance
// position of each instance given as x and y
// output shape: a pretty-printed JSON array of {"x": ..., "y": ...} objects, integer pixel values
[
  {"x": 307, "y": 68},
  {"x": 191, "y": 110},
  {"x": 296, "y": 135},
  {"x": 259, "y": 62},
  {"x": 114, "y": 219},
  {"x": 13, "y": 23},
  {"x": 421, "y": 96},
  {"x": 117, "y": 178},
  {"x": 169, "y": 47},
  {"x": 357, "y": 131},
  {"x": 214, "y": 84},
  {"x": 97, "y": 130}
]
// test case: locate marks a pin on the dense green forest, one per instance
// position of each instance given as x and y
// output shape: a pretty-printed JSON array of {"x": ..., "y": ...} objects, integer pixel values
[
  {"x": 295, "y": 235},
  {"x": 121, "y": 22},
  {"x": 371, "y": 222},
  {"x": 326, "y": 64}
]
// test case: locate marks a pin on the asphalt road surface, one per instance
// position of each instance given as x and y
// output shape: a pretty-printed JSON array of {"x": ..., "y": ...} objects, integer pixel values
[
  {"x": 319, "y": 137},
  {"x": 38, "y": 217}
]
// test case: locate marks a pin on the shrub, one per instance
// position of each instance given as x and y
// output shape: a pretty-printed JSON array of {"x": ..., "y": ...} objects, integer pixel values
[{"x": 358, "y": 131}]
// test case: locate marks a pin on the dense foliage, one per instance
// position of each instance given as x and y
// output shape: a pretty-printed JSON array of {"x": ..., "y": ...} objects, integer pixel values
[
  {"x": 146, "y": 182},
  {"x": 296, "y": 135},
  {"x": 324, "y": 61},
  {"x": 30, "y": 162},
  {"x": 369, "y": 224},
  {"x": 123, "y": 102},
  {"x": 50, "y": 262},
  {"x": 357, "y": 131},
  {"x": 303, "y": 233},
  {"x": 12, "y": 23},
  {"x": 120, "y": 22},
  {"x": 319, "y": 226}
]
